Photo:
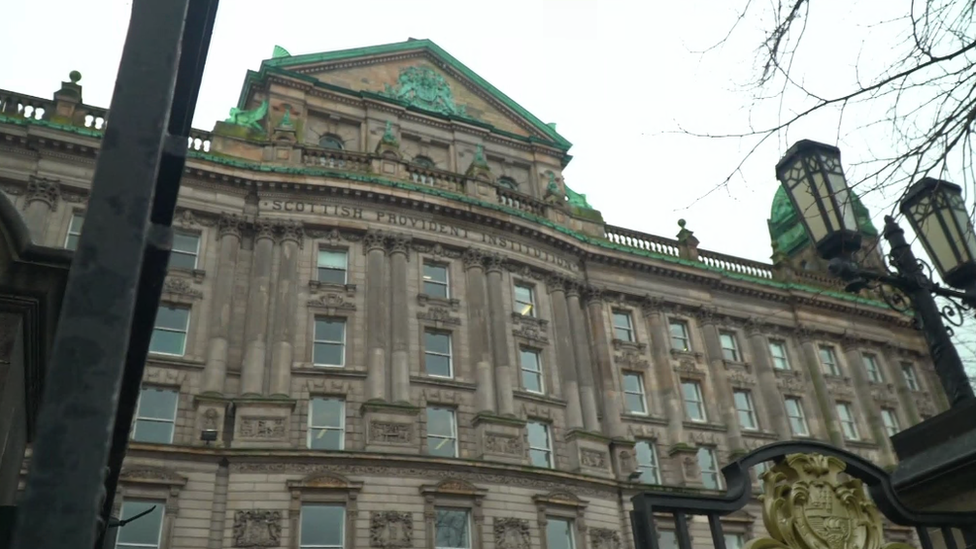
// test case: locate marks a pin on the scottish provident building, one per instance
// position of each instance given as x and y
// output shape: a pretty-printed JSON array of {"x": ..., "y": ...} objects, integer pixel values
[{"x": 388, "y": 323}]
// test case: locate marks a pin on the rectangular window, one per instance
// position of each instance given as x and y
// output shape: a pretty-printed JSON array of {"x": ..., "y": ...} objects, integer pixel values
[
  {"x": 635, "y": 399},
  {"x": 326, "y": 423},
  {"x": 847, "y": 423},
  {"x": 798, "y": 420},
  {"x": 667, "y": 539},
  {"x": 329, "y": 345},
  {"x": 730, "y": 348},
  {"x": 890, "y": 422},
  {"x": 435, "y": 280},
  {"x": 781, "y": 361},
  {"x": 169, "y": 331},
  {"x": 74, "y": 231},
  {"x": 647, "y": 462},
  {"x": 322, "y": 526},
  {"x": 910, "y": 378},
  {"x": 540, "y": 445},
  {"x": 679, "y": 336},
  {"x": 144, "y": 533},
  {"x": 452, "y": 528},
  {"x": 524, "y": 300},
  {"x": 873, "y": 368},
  {"x": 734, "y": 541},
  {"x": 623, "y": 326},
  {"x": 332, "y": 266},
  {"x": 529, "y": 361},
  {"x": 155, "y": 416},
  {"x": 186, "y": 249},
  {"x": 745, "y": 410},
  {"x": 708, "y": 464},
  {"x": 694, "y": 404},
  {"x": 441, "y": 432},
  {"x": 559, "y": 533},
  {"x": 437, "y": 354},
  {"x": 829, "y": 360}
]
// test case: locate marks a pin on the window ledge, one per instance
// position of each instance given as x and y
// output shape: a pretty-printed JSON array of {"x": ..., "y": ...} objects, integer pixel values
[
  {"x": 705, "y": 426},
  {"x": 443, "y": 382},
  {"x": 737, "y": 365},
  {"x": 451, "y": 303},
  {"x": 768, "y": 435},
  {"x": 542, "y": 399},
  {"x": 687, "y": 354},
  {"x": 533, "y": 320},
  {"x": 349, "y": 289},
  {"x": 188, "y": 362},
  {"x": 337, "y": 371},
  {"x": 861, "y": 443},
  {"x": 619, "y": 344},
  {"x": 637, "y": 418},
  {"x": 196, "y": 274}
]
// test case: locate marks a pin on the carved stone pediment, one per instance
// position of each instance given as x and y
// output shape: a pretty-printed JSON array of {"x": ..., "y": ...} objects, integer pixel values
[
  {"x": 531, "y": 328},
  {"x": 451, "y": 303},
  {"x": 325, "y": 480},
  {"x": 439, "y": 316},
  {"x": 257, "y": 528},
  {"x": 182, "y": 287},
  {"x": 512, "y": 533},
  {"x": 390, "y": 529},
  {"x": 687, "y": 365},
  {"x": 453, "y": 486},
  {"x": 560, "y": 497},
  {"x": 152, "y": 475},
  {"x": 634, "y": 358},
  {"x": 316, "y": 286},
  {"x": 332, "y": 301}
]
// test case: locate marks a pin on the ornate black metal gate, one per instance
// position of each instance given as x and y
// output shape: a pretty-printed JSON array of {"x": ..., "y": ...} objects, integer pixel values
[{"x": 808, "y": 502}]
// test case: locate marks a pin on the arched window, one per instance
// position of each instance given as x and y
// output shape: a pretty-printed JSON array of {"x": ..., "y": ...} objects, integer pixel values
[
  {"x": 507, "y": 182},
  {"x": 330, "y": 141},
  {"x": 423, "y": 162}
]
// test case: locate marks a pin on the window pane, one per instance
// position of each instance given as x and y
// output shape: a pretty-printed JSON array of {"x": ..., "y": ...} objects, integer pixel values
[
  {"x": 158, "y": 432},
  {"x": 326, "y": 439},
  {"x": 188, "y": 243},
  {"x": 157, "y": 404},
  {"x": 538, "y": 435},
  {"x": 145, "y": 530},
  {"x": 531, "y": 381},
  {"x": 451, "y": 529},
  {"x": 182, "y": 261},
  {"x": 734, "y": 541},
  {"x": 170, "y": 343},
  {"x": 322, "y": 525},
  {"x": 437, "y": 365},
  {"x": 559, "y": 533},
  {"x": 435, "y": 290},
  {"x": 435, "y": 342},
  {"x": 666, "y": 540},
  {"x": 71, "y": 242},
  {"x": 327, "y": 412},
  {"x": 539, "y": 458},
  {"x": 523, "y": 294},
  {"x": 632, "y": 384},
  {"x": 332, "y": 276},
  {"x": 440, "y": 422},
  {"x": 635, "y": 403},
  {"x": 329, "y": 330},
  {"x": 435, "y": 273},
  {"x": 332, "y": 259},
  {"x": 327, "y": 353},
  {"x": 173, "y": 318}
]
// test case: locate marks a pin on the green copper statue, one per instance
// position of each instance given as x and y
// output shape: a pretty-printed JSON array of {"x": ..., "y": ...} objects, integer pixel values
[
  {"x": 576, "y": 199},
  {"x": 249, "y": 119}
]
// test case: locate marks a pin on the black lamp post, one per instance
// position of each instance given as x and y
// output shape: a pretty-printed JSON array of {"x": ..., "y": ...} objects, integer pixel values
[{"x": 812, "y": 176}]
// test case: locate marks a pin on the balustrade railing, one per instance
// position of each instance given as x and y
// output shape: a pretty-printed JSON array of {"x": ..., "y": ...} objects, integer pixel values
[
  {"x": 27, "y": 106},
  {"x": 435, "y": 178},
  {"x": 735, "y": 264},
  {"x": 336, "y": 159},
  {"x": 522, "y": 202},
  {"x": 200, "y": 140},
  {"x": 642, "y": 241}
]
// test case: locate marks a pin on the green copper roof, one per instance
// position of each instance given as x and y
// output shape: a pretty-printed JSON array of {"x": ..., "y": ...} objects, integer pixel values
[
  {"x": 788, "y": 233},
  {"x": 413, "y": 45}
]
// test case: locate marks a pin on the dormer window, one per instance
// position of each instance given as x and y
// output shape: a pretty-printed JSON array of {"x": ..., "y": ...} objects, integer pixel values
[
  {"x": 330, "y": 141},
  {"x": 424, "y": 162},
  {"x": 507, "y": 182}
]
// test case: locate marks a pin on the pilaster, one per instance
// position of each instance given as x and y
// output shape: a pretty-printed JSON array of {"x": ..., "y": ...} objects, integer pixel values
[
  {"x": 286, "y": 305},
  {"x": 811, "y": 359},
  {"x": 723, "y": 390},
  {"x": 40, "y": 200},
  {"x": 259, "y": 298},
  {"x": 377, "y": 315},
  {"x": 230, "y": 228},
  {"x": 855, "y": 361},
  {"x": 500, "y": 337},
  {"x": 772, "y": 397},
  {"x": 893, "y": 359},
  {"x": 653, "y": 310},
  {"x": 478, "y": 335},
  {"x": 584, "y": 366},
  {"x": 565, "y": 354},
  {"x": 400, "y": 321},
  {"x": 612, "y": 404}
]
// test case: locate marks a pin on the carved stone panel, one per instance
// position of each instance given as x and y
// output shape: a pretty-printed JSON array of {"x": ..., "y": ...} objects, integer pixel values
[
  {"x": 512, "y": 533},
  {"x": 593, "y": 458},
  {"x": 497, "y": 443},
  {"x": 790, "y": 382},
  {"x": 263, "y": 427},
  {"x": 387, "y": 432},
  {"x": 257, "y": 528},
  {"x": 604, "y": 538},
  {"x": 439, "y": 315},
  {"x": 390, "y": 529}
]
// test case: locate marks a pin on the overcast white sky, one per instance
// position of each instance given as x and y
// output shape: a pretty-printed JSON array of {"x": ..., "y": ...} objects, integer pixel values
[{"x": 619, "y": 77}]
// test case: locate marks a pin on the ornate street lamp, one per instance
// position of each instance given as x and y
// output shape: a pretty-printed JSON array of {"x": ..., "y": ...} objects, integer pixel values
[
  {"x": 811, "y": 174},
  {"x": 936, "y": 211}
]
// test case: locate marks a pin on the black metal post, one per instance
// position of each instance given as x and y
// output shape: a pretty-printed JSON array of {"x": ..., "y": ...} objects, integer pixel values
[
  {"x": 948, "y": 365},
  {"x": 116, "y": 278}
]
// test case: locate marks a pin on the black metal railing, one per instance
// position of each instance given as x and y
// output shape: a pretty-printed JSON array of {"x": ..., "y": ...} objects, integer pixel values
[{"x": 951, "y": 527}]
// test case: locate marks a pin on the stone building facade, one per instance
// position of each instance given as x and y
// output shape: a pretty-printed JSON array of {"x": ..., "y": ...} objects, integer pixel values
[{"x": 388, "y": 323}]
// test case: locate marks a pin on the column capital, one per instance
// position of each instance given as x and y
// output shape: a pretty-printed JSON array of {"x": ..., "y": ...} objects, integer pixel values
[
  {"x": 264, "y": 228},
  {"x": 555, "y": 282},
  {"x": 573, "y": 288},
  {"x": 473, "y": 258},
  {"x": 494, "y": 262},
  {"x": 756, "y": 326},
  {"x": 804, "y": 333},
  {"x": 850, "y": 341},
  {"x": 706, "y": 315},
  {"x": 374, "y": 240},
  {"x": 44, "y": 190},
  {"x": 594, "y": 294},
  {"x": 293, "y": 231},
  {"x": 652, "y": 304},
  {"x": 230, "y": 224},
  {"x": 399, "y": 243}
]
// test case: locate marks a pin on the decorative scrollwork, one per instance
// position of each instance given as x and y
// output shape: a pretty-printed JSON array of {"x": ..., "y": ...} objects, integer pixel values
[{"x": 895, "y": 299}]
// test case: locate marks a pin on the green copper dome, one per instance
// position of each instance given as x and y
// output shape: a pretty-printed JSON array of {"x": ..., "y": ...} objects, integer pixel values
[{"x": 787, "y": 232}]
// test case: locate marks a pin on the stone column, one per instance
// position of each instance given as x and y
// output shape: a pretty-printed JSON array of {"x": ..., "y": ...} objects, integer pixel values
[
  {"x": 259, "y": 296},
  {"x": 399, "y": 319},
  {"x": 377, "y": 313},
  {"x": 766, "y": 377},
  {"x": 893, "y": 360},
  {"x": 221, "y": 304},
  {"x": 721, "y": 385},
  {"x": 612, "y": 405},
  {"x": 501, "y": 338},
  {"x": 41, "y": 198},
  {"x": 855, "y": 361},
  {"x": 286, "y": 307},
  {"x": 478, "y": 336},
  {"x": 584, "y": 365},
  {"x": 811, "y": 359},
  {"x": 667, "y": 382},
  {"x": 565, "y": 356}
]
